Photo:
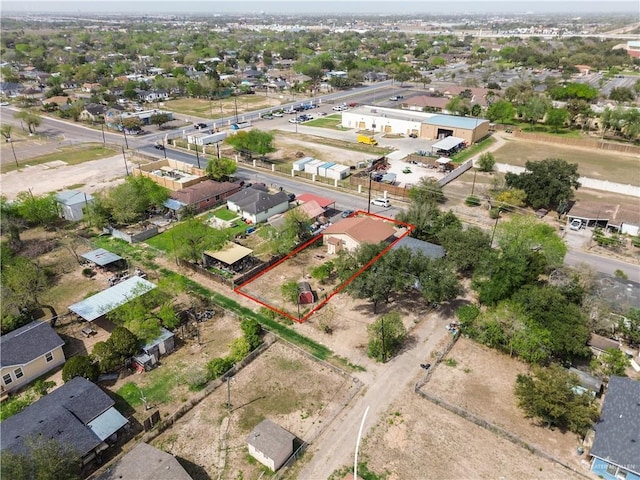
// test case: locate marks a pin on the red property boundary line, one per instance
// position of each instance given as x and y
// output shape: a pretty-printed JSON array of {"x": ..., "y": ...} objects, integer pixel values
[{"x": 340, "y": 287}]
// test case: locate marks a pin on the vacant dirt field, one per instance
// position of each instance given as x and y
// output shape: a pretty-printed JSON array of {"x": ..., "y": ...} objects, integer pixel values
[
  {"x": 482, "y": 382},
  {"x": 417, "y": 439},
  {"x": 283, "y": 385}
]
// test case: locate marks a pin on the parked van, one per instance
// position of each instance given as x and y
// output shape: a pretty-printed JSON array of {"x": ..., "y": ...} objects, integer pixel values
[{"x": 366, "y": 139}]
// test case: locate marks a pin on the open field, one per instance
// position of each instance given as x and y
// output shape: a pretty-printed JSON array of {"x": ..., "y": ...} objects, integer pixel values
[
  {"x": 331, "y": 121},
  {"x": 70, "y": 155},
  {"x": 613, "y": 166},
  {"x": 481, "y": 381},
  {"x": 417, "y": 439},
  {"x": 203, "y": 108},
  {"x": 283, "y": 385}
]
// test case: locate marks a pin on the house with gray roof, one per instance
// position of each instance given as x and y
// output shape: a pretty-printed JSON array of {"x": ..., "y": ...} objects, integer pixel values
[
  {"x": 28, "y": 353},
  {"x": 615, "y": 453},
  {"x": 270, "y": 444},
  {"x": 256, "y": 204},
  {"x": 430, "y": 250},
  {"x": 78, "y": 415},
  {"x": 145, "y": 462}
]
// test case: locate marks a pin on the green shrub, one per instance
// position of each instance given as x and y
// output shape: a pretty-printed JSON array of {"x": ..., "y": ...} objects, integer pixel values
[
  {"x": 80, "y": 366},
  {"x": 240, "y": 348},
  {"x": 218, "y": 366},
  {"x": 472, "y": 201}
]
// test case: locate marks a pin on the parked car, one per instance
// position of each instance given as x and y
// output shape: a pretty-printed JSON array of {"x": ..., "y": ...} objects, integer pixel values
[
  {"x": 347, "y": 213},
  {"x": 413, "y": 135},
  {"x": 278, "y": 114},
  {"x": 199, "y": 126},
  {"x": 395, "y": 98},
  {"x": 159, "y": 146},
  {"x": 292, "y": 196},
  {"x": 295, "y": 120},
  {"x": 381, "y": 202},
  {"x": 576, "y": 224},
  {"x": 267, "y": 116}
]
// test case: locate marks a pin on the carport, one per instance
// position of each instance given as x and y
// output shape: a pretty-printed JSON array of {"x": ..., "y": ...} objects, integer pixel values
[
  {"x": 108, "y": 300},
  {"x": 101, "y": 257},
  {"x": 230, "y": 255},
  {"x": 448, "y": 145}
]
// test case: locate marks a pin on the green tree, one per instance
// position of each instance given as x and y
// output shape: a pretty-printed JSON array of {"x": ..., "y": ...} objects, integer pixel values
[
  {"x": 12, "y": 222},
  {"x": 5, "y": 131},
  {"x": 23, "y": 282},
  {"x": 486, "y": 162},
  {"x": 322, "y": 272},
  {"x": 239, "y": 348},
  {"x": 80, "y": 366},
  {"x": 220, "y": 169},
  {"x": 105, "y": 357},
  {"x": 548, "y": 394},
  {"x": 43, "y": 459},
  {"x": 522, "y": 234},
  {"x": 37, "y": 210},
  {"x": 629, "y": 326},
  {"x": 194, "y": 238},
  {"x": 427, "y": 191},
  {"x": 32, "y": 119},
  {"x": 386, "y": 336},
  {"x": 612, "y": 361},
  {"x": 501, "y": 111},
  {"x": 132, "y": 124},
  {"x": 252, "y": 332},
  {"x": 252, "y": 142},
  {"x": 622, "y": 94},
  {"x": 159, "y": 119},
  {"x": 466, "y": 249},
  {"x": 289, "y": 291},
  {"x": 556, "y": 118},
  {"x": 547, "y": 183},
  {"x": 535, "y": 109},
  {"x": 218, "y": 366},
  {"x": 438, "y": 281},
  {"x": 130, "y": 201},
  {"x": 124, "y": 342}
]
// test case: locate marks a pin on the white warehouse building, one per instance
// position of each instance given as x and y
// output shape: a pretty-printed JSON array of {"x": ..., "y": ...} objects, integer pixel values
[{"x": 430, "y": 126}]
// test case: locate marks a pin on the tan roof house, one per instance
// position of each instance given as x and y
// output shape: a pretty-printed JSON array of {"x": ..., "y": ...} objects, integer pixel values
[
  {"x": 270, "y": 444},
  {"x": 205, "y": 195},
  {"x": 352, "y": 232},
  {"x": 27, "y": 353}
]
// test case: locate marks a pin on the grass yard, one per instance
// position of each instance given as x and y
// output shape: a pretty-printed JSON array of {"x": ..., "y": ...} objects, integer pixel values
[
  {"x": 332, "y": 121},
  {"x": 70, "y": 155},
  {"x": 225, "y": 214},
  {"x": 166, "y": 241},
  {"x": 598, "y": 164}
]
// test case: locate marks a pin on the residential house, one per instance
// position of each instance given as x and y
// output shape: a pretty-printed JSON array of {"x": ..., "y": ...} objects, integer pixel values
[
  {"x": 600, "y": 344},
  {"x": 205, "y": 195},
  {"x": 89, "y": 87},
  {"x": 153, "y": 95},
  {"x": 587, "y": 383},
  {"x": 426, "y": 103},
  {"x": 350, "y": 233},
  {"x": 152, "y": 351},
  {"x": 255, "y": 204},
  {"x": 28, "y": 353},
  {"x": 615, "y": 453},
  {"x": 78, "y": 415},
  {"x": 144, "y": 462},
  {"x": 72, "y": 204},
  {"x": 93, "y": 112},
  {"x": 430, "y": 250},
  {"x": 59, "y": 100},
  {"x": 9, "y": 89},
  {"x": 270, "y": 444}
]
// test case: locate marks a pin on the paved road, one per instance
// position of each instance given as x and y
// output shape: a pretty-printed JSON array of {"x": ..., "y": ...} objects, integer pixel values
[{"x": 335, "y": 447}]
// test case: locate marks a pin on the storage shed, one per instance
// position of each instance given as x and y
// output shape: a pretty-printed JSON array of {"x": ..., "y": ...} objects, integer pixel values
[
  {"x": 298, "y": 165},
  {"x": 312, "y": 166},
  {"x": 152, "y": 351},
  {"x": 338, "y": 171},
  {"x": 305, "y": 294},
  {"x": 270, "y": 444}
]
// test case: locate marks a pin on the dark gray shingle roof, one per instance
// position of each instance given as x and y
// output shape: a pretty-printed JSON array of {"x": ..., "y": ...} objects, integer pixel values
[
  {"x": 271, "y": 439},
  {"x": 617, "y": 438},
  {"x": 430, "y": 250},
  {"x": 145, "y": 462},
  {"x": 61, "y": 415},
  {"x": 256, "y": 201},
  {"x": 28, "y": 343}
]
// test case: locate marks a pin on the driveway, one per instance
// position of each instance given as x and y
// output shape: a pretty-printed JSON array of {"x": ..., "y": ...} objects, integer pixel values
[{"x": 335, "y": 448}]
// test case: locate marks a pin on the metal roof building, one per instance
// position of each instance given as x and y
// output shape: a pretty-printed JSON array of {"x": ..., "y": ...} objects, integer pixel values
[
  {"x": 101, "y": 257},
  {"x": 108, "y": 300}
]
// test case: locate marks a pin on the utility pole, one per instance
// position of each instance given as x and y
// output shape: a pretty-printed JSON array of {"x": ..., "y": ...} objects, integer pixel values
[
  {"x": 104, "y": 141},
  {"x": 197, "y": 155},
  {"x": 14, "y": 151},
  {"x": 494, "y": 229},
  {"x": 384, "y": 347},
  {"x": 474, "y": 181},
  {"x": 125, "y": 162},
  {"x": 369, "y": 202},
  {"x": 126, "y": 142},
  {"x": 229, "y": 393},
  {"x": 235, "y": 101}
]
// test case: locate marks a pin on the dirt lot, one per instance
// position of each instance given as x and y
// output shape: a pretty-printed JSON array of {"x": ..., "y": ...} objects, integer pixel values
[
  {"x": 417, "y": 439},
  {"x": 291, "y": 149},
  {"x": 474, "y": 385},
  {"x": 283, "y": 385}
]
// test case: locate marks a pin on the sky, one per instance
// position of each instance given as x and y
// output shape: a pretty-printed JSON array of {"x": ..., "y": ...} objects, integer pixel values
[{"x": 328, "y": 7}]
